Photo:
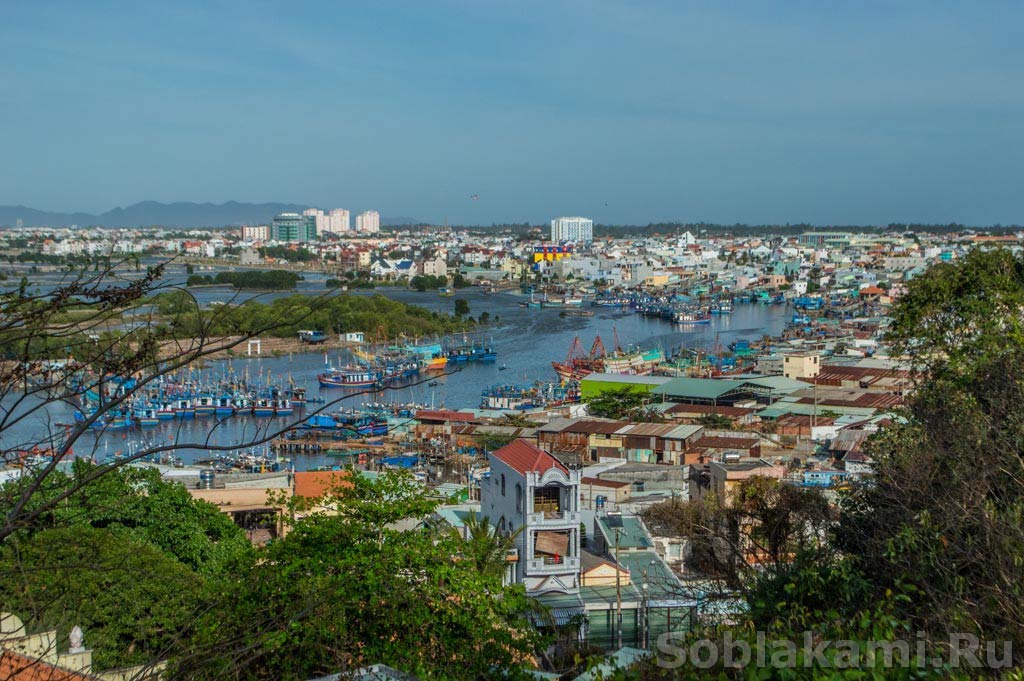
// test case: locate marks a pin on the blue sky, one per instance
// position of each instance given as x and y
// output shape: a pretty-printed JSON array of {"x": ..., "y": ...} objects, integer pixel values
[{"x": 628, "y": 112}]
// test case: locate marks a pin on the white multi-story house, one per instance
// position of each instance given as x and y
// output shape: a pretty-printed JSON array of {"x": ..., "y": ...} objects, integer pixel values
[{"x": 533, "y": 492}]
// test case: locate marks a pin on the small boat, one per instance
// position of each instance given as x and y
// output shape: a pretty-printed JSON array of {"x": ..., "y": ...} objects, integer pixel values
[
  {"x": 432, "y": 383},
  {"x": 503, "y": 367}
]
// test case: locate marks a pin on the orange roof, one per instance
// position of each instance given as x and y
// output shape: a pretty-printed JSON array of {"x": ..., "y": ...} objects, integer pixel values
[
  {"x": 315, "y": 484},
  {"x": 524, "y": 457},
  {"x": 872, "y": 291},
  {"x": 17, "y": 667}
]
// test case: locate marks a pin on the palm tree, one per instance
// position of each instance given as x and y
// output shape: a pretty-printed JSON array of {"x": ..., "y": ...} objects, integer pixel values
[{"x": 485, "y": 547}]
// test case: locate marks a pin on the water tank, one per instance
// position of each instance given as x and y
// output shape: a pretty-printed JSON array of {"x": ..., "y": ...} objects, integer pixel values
[
  {"x": 599, "y": 502},
  {"x": 206, "y": 477}
]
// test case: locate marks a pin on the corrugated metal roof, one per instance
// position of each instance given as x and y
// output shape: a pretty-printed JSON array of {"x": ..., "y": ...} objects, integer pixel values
[{"x": 703, "y": 388}]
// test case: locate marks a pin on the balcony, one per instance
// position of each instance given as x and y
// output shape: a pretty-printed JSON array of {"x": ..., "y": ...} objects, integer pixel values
[
  {"x": 553, "y": 518},
  {"x": 548, "y": 565}
]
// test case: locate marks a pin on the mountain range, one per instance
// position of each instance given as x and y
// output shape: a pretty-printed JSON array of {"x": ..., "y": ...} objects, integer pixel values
[{"x": 178, "y": 214}]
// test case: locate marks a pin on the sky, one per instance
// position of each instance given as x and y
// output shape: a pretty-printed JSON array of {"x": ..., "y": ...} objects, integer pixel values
[{"x": 833, "y": 113}]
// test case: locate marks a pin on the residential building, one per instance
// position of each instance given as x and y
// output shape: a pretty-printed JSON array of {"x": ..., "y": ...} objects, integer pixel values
[
  {"x": 534, "y": 494},
  {"x": 256, "y": 233},
  {"x": 338, "y": 221},
  {"x": 435, "y": 267},
  {"x": 368, "y": 221},
  {"x": 800, "y": 365},
  {"x": 577, "y": 230}
]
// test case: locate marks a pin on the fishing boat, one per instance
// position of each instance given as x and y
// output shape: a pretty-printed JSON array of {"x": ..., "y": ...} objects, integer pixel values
[
  {"x": 183, "y": 409},
  {"x": 349, "y": 377},
  {"x": 283, "y": 407},
  {"x": 579, "y": 364},
  {"x": 691, "y": 315},
  {"x": 264, "y": 406},
  {"x": 224, "y": 406},
  {"x": 165, "y": 411},
  {"x": 562, "y": 302},
  {"x": 205, "y": 405},
  {"x": 146, "y": 417},
  {"x": 574, "y": 312}
]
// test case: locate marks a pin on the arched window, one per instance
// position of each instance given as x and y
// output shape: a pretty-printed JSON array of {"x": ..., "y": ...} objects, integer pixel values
[
  {"x": 501, "y": 525},
  {"x": 519, "y": 497},
  {"x": 502, "y": 484}
]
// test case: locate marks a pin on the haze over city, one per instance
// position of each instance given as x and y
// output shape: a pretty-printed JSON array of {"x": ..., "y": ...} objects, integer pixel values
[{"x": 862, "y": 113}]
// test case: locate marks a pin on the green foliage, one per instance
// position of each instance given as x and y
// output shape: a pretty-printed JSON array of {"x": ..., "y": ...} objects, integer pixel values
[
  {"x": 716, "y": 422},
  {"x": 956, "y": 314},
  {"x": 346, "y": 590},
  {"x": 284, "y": 317},
  {"x": 484, "y": 547},
  {"x": 138, "y": 505},
  {"x": 620, "y": 403},
  {"x": 428, "y": 282},
  {"x": 287, "y": 253},
  {"x": 266, "y": 280},
  {"x": 461, "y": 307},
  {"x": 132, "y": 599}
]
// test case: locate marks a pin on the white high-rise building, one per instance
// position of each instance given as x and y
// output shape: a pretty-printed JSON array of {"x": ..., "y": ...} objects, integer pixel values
[
  {"x": 368, "y": 221},
  {"x": 322, "y": 220},
  {"x": 338, "y": 221},
  {"x": 578, "y": 230}
]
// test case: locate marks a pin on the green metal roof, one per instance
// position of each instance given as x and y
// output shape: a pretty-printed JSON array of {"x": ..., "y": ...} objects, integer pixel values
[
  {"x": 703, "y": 388},
  {"x": 632, "y": 534}
]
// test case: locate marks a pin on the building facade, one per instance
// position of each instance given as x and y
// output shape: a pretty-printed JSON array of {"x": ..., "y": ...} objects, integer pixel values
[
  {"x": 294, "y": 227},
  {"x": 256, "y": 232},
  {"x": 532, "y": 493},
  {"x": 577, "y": 230},
  {"x": 338, "y": 221},
  {"x": 368, "y": 221}
]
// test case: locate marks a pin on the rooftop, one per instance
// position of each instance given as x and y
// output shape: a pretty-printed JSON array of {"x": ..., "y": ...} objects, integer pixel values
[
  {"x": 631, "y": 532},
  {"x": 524, "y": 457}
]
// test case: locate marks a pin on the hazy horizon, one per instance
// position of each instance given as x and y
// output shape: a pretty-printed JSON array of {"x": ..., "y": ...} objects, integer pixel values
[{"x": 795, "y": 112}]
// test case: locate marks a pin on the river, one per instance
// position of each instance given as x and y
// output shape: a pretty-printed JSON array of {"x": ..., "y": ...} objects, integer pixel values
[{"x": 527, "y": 341}]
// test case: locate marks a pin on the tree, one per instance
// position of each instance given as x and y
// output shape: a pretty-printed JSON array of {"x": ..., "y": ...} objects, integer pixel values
[
  {"x": 744, "y": 534},
  {"x": 484, "y": 547},
  {"x": 956, "y": 314},
  {"x": 461, "y": 307},
  {"x": 347, "y": 589},
  {"x": 716, "y": 422},
  {"x": 132, "y": 599},
  {"x": 620, "y": 403}
]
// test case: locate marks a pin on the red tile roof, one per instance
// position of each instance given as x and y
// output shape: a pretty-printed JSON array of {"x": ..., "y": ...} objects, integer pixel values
[
  {"x": 16, "y": 667},
  {"x": 524, "y": 457}
]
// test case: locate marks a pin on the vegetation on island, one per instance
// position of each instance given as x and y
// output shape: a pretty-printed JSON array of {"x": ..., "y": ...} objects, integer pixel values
[
  {"x": 256, "y": 280},
  {"x": 336, "y": 313}
]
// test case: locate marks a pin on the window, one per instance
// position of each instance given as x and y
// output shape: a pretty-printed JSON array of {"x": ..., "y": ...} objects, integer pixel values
[
  {"x": 502, "y": 484},
  {"x": 519, "y": 497}
]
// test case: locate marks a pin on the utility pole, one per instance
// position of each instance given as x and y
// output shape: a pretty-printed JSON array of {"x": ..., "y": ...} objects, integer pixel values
[{"x": 618, "y": 591}]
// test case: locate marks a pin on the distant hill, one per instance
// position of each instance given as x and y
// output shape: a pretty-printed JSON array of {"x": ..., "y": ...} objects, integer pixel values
[{"x": 149, "y": 213}]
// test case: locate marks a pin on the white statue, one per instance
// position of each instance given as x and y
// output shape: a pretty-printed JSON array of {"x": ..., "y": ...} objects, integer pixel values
[{"x": 76, "y": 638}]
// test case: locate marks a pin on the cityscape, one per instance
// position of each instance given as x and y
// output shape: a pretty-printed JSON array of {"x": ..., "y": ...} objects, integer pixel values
[{"x": 685, "y": 369}]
